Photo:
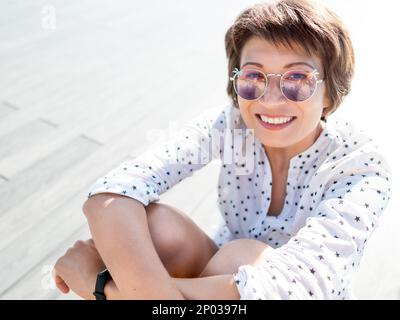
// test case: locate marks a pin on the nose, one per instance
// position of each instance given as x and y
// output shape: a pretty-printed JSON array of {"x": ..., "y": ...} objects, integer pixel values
[{"x": 273, "y": 94}]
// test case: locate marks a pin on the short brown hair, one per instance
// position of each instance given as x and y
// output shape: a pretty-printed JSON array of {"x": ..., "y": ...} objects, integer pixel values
[{"x": 303, "y": 23}]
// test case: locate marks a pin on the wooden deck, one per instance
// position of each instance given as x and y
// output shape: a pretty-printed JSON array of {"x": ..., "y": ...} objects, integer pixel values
[{"x": 87, "y": 88}]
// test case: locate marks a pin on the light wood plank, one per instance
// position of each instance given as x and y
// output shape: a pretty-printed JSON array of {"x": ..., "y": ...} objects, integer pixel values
[
  {"x": 41, "y": 176},
  {"x": 19, "y": 146},
  {"x": 14, "y": 155},
  {"x": 104, "y": 48},
  {"x": 3, "y": 180},
  {"x": 37, "y": 283},
  {"x": 68, "y": 95},
  {"x": 6, "y": 109},
  {"x": 43, "y": 237},
  {"x": 29, "y": 210}
]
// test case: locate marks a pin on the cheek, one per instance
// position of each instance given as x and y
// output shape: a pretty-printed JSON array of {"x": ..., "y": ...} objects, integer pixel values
[
  {"x": 314, "y": 105},
  {"x": 323, "y": 96},
  {"x": 245, "y": 108}
]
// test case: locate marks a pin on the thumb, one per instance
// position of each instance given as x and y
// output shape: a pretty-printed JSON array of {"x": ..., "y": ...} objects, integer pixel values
[{"x": 61, "y": 285}]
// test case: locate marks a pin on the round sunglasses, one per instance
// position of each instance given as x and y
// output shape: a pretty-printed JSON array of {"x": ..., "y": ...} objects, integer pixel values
[{"x": 297, "y": 86}]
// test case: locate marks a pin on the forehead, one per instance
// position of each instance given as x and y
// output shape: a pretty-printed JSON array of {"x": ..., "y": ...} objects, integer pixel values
[{"x": 275, "y": 56}]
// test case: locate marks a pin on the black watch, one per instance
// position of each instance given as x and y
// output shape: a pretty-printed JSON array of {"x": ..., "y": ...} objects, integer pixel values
[{"x": 101, "y": 280}]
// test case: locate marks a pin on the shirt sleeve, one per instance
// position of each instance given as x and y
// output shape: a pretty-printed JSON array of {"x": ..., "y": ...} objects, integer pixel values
[
  {"x": 147, "y": 176},
  {"x": 320, "y": 260}
]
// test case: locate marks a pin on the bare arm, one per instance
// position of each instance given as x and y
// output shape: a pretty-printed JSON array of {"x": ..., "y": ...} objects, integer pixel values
[
  {"x": 120, "y": 231},
  {"x": 219, "y": 287}
]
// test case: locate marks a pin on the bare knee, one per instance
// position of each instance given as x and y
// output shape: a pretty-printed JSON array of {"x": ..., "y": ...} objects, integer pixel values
[
  {"x": 181, "y": 245},
  {"x": 167, "y": 234},
  {"x": 235, "y": 254}
]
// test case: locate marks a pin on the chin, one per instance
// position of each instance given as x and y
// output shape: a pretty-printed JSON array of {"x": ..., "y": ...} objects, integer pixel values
[{"x": 276, "y": 145}]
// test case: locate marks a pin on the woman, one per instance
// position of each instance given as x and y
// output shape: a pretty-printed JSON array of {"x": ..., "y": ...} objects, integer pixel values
[{"x": 298, "y": 206}]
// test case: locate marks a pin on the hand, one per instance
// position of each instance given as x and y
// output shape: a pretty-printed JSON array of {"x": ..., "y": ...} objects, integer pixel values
[{"x": 77, "y": 269}]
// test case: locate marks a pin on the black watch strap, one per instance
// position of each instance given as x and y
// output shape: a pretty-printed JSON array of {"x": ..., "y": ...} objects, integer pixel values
[{"x": 101, "y": 280}]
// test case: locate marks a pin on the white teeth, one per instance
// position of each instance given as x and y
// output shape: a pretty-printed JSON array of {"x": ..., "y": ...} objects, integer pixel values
[{"x": 275, "y": 120}]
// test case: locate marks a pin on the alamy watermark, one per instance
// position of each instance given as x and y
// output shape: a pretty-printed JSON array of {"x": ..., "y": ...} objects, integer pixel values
[
  {"x": 49, "y": 18},
  {"x": 47, "y": 281},
  {"x": 194, "y": 146}
]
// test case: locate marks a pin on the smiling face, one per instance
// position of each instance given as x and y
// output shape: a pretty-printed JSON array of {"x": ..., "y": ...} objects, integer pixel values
[{"x": 286, "y": 140}]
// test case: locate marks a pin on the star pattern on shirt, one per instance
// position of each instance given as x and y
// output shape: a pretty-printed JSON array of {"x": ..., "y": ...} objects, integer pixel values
[{"x": 323, "y": 183}]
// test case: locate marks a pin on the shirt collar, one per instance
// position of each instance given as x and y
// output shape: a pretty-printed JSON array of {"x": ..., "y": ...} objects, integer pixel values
[{"x": 308, "y": 156}]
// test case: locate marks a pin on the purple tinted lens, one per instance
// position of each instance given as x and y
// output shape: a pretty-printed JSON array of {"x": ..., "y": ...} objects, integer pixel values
[
  {"x": 250, "y": 84},
  {"x": 298, "y": 86},
  {"x": 248, "y": 92}
]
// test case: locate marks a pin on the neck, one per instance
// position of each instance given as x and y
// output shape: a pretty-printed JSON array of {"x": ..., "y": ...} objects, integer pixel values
[{"x": 279, "y": 158}]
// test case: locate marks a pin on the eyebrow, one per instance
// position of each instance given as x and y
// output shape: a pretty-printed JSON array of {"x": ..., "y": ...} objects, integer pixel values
[{"x": 287, "y": 66}]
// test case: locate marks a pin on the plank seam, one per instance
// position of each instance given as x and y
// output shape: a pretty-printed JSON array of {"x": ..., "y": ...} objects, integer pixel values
[{"x": 10, "y": 105}]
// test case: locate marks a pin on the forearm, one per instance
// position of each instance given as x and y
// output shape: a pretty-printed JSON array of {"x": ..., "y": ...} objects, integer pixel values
[
  {"x": 219, "y": 287},
  {"x": 112, "y": 292},
  {"x": 120, "y": 231}
]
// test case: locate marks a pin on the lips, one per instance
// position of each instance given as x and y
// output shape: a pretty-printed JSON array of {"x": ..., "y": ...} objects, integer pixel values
[
  {"x": 271, "y": 116},
  {"x": 277, "y": 126},
  {"x": 275, "y": 120}
]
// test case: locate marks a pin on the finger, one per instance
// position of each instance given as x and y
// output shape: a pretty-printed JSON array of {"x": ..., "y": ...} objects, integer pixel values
[
  {"x": 90, "y": 242},
  {"x": 61, "y": 285},
  {"x": 78, "y": 243}
]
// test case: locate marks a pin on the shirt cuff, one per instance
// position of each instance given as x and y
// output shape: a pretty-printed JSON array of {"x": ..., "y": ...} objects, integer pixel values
[{"x": 136, "y": 189}]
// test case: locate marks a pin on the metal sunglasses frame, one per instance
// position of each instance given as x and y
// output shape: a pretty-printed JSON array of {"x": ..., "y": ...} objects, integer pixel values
[{"x": 238, "y": 72}]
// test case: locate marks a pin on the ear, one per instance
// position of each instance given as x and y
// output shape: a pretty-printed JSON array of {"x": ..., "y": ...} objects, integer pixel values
[
  {"x": 325, "y": 109},
  {"x": 327, "y": 104}
]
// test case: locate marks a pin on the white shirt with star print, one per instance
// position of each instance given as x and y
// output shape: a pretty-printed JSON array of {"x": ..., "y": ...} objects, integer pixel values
[{"x": 336, "y": 191}]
